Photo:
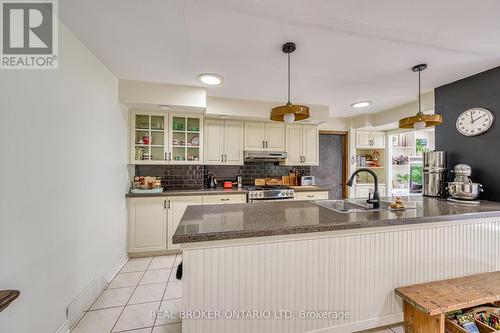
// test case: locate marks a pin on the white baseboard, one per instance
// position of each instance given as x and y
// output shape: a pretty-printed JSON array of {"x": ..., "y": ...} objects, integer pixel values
[{"x": 82, "y": 303}]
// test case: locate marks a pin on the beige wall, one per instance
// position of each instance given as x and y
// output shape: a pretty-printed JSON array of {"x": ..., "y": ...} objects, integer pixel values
[{"x": 62, "y": 207}]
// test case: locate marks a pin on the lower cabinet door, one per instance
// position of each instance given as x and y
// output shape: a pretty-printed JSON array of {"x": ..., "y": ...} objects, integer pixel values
[
  {"x": 147, "y": 224},
  {"x": 176, "y": 208}
]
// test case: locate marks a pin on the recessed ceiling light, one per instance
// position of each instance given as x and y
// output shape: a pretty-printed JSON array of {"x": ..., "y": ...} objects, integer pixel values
[
  {"x": 165, "y": 107},
  {"x": 362, "y": 104},
  {"x": 210, "y": 79}
]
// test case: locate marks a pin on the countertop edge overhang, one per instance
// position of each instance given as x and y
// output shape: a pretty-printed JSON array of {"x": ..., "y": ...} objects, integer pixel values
[
  {"x": 388, "y": 224},
  {"x": 216, "y": 191}
]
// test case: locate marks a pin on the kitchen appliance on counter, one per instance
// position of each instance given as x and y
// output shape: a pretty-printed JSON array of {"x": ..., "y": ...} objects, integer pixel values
[
  {"x": 307, "y": 181},
  {"x": 269, "y": 193},
  {"x": 212, "y": 181},
  {"x": 434, "y": 175},
  {"x": 462, "y": 187}
]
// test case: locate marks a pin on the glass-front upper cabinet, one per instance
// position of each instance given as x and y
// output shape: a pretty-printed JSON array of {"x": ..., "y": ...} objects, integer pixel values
[
  {"x": 149, "y": 135},
  {"x": 186, "y": 139}
]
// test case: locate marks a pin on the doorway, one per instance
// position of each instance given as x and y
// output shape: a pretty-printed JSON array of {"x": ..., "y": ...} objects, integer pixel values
[{"x": 332, "y": 170}]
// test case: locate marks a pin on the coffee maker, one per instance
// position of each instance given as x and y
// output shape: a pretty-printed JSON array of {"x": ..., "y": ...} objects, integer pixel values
[{"x": 211, "y": 181}]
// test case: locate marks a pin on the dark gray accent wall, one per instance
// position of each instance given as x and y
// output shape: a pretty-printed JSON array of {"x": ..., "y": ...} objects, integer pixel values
[
  {"x": 482, "y": 152},
  {"x": 329, "y": 171}
]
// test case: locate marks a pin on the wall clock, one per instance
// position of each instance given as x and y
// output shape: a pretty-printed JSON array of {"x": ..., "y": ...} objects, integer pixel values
[{"x": 475, "y": 121}]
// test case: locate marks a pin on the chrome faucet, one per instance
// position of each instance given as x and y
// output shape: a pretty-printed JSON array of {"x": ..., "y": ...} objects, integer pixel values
[{"x": 375, "y": 201}]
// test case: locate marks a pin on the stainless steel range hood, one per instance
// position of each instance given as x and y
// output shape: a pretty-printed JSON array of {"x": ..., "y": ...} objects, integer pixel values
[{"x": 265, "y": 156}]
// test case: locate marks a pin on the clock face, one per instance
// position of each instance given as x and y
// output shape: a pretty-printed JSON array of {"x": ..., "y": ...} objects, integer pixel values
[{"x": 474, "y": 121}]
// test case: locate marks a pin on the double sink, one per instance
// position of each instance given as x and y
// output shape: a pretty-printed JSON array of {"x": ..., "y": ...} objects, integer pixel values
[{"x": 354, "y": 206}]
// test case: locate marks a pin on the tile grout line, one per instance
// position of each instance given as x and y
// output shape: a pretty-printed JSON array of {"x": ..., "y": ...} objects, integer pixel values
[
  {"x": 165, "y": 291},
  {"x": 117, "y": 319}
]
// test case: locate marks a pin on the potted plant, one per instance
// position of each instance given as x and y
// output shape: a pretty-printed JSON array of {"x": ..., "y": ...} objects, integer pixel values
[{"x": 402, "y": 181}]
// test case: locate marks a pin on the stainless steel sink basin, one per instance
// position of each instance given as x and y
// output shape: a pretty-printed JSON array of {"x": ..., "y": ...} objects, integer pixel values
[{"x": 353, "y": 206}]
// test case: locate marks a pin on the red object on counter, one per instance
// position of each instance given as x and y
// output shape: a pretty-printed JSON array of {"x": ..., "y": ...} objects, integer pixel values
[{"x": 228, "y": 184}]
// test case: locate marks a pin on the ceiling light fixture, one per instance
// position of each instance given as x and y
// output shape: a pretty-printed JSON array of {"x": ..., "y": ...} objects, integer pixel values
[
  {"x": 210, "y": 79},
  {"x": 362, "y": 104},
  {"x": 289, "y": 112},
  {"x": 420, "y": 120}
]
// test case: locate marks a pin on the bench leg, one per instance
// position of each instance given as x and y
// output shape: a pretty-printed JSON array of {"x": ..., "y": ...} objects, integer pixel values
[{"x": 417, "y": 321}]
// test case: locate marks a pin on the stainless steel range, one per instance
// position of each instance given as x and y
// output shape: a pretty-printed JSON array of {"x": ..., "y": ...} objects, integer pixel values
[{"x": 269, "y": 193}]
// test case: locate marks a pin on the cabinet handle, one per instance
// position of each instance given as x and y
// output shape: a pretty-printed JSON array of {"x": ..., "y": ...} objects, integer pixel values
[
  {"x": 224, "y": 199},
  {"x": 165, "y": 158},
  {"x": 310, "y": 196},
  {"x": 168, "y": 204},
  {"x": 225, "y": 158},
  {"x": 266, "y": 144},
  {"x": 221, "y": 157},
  {"x": 164, "y": 204},
  {"x": 169, "y": 156},
  {"x": 263, "y": 144}
]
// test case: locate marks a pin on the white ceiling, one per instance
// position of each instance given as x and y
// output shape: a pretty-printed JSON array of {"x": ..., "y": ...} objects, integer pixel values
[{"x": 347, "y": 50}]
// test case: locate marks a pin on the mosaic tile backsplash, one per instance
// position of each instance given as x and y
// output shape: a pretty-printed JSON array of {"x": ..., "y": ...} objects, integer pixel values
[{"x": 177, "y": 177}]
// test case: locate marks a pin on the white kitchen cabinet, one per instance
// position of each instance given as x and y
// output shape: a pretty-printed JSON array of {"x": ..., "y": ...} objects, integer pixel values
[
  {"x": 154, "y": 220},
  {"x": 364, "y": 190},
  {"x": 378, "y": 140},
  {"x": 302, "y": 144},
  {"x": 310, "y": 144},
  {"x": 370, "y": 140},
  {"x": 176, "y": 208},
  {"x": 148, "y": 137},
  {"x": 262, "y": 136},
  {"x": 275, "y": 137},
  {"x": 224, "y": 142},
  {"x": 186, "y": 139},
  {"x": 233, "y": 142},
  {"x": 147, "y": 224},
  {"x": 214, "y": 134},
  {"x": 311, "y": 195}
]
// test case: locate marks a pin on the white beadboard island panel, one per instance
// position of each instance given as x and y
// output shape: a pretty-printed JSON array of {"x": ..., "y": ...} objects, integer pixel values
[{"x": 353, "y": 271}]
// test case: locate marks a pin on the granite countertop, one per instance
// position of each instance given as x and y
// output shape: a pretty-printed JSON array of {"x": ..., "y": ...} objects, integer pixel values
[
  {"x": 209, "y": 191},
  {"x": 224, "y": 222}
]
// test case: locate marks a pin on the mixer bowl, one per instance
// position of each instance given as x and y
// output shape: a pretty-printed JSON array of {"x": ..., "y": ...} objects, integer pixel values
[{"x": 464, "y": 191}]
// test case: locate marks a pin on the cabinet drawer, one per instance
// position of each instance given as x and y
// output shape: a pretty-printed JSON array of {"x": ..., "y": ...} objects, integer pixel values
[
  {"x": 311, "y": 195},
  {"x": 224, "y": 199}
]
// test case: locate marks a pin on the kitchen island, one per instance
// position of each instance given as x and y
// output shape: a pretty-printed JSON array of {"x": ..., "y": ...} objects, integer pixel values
[{"x": 299, "y": 267}]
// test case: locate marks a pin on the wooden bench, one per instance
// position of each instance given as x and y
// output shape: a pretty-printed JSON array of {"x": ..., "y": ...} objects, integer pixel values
[{"x": 425, "y": 305}]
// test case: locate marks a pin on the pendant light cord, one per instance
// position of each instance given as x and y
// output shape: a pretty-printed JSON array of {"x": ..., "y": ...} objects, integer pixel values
[
  {"x": 419, "y": 92},
  {"x": 288, "y": 78}
]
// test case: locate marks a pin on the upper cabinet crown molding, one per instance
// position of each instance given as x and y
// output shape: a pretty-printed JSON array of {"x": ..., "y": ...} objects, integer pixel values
[
  {"x": 264, "y": 136},
  {"x": 370, "y": 140}
]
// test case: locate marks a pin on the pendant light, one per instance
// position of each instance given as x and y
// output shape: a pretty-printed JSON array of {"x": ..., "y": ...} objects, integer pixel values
[
  {"x": 420, "y": 120},
  {"x": 289, "y": 112}
]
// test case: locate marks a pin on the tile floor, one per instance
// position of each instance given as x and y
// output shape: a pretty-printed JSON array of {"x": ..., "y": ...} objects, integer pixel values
[{"x": 144, "y": 285}]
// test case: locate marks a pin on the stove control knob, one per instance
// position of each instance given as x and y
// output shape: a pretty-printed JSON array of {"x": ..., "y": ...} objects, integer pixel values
[{"x": 261, "y": 194}]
